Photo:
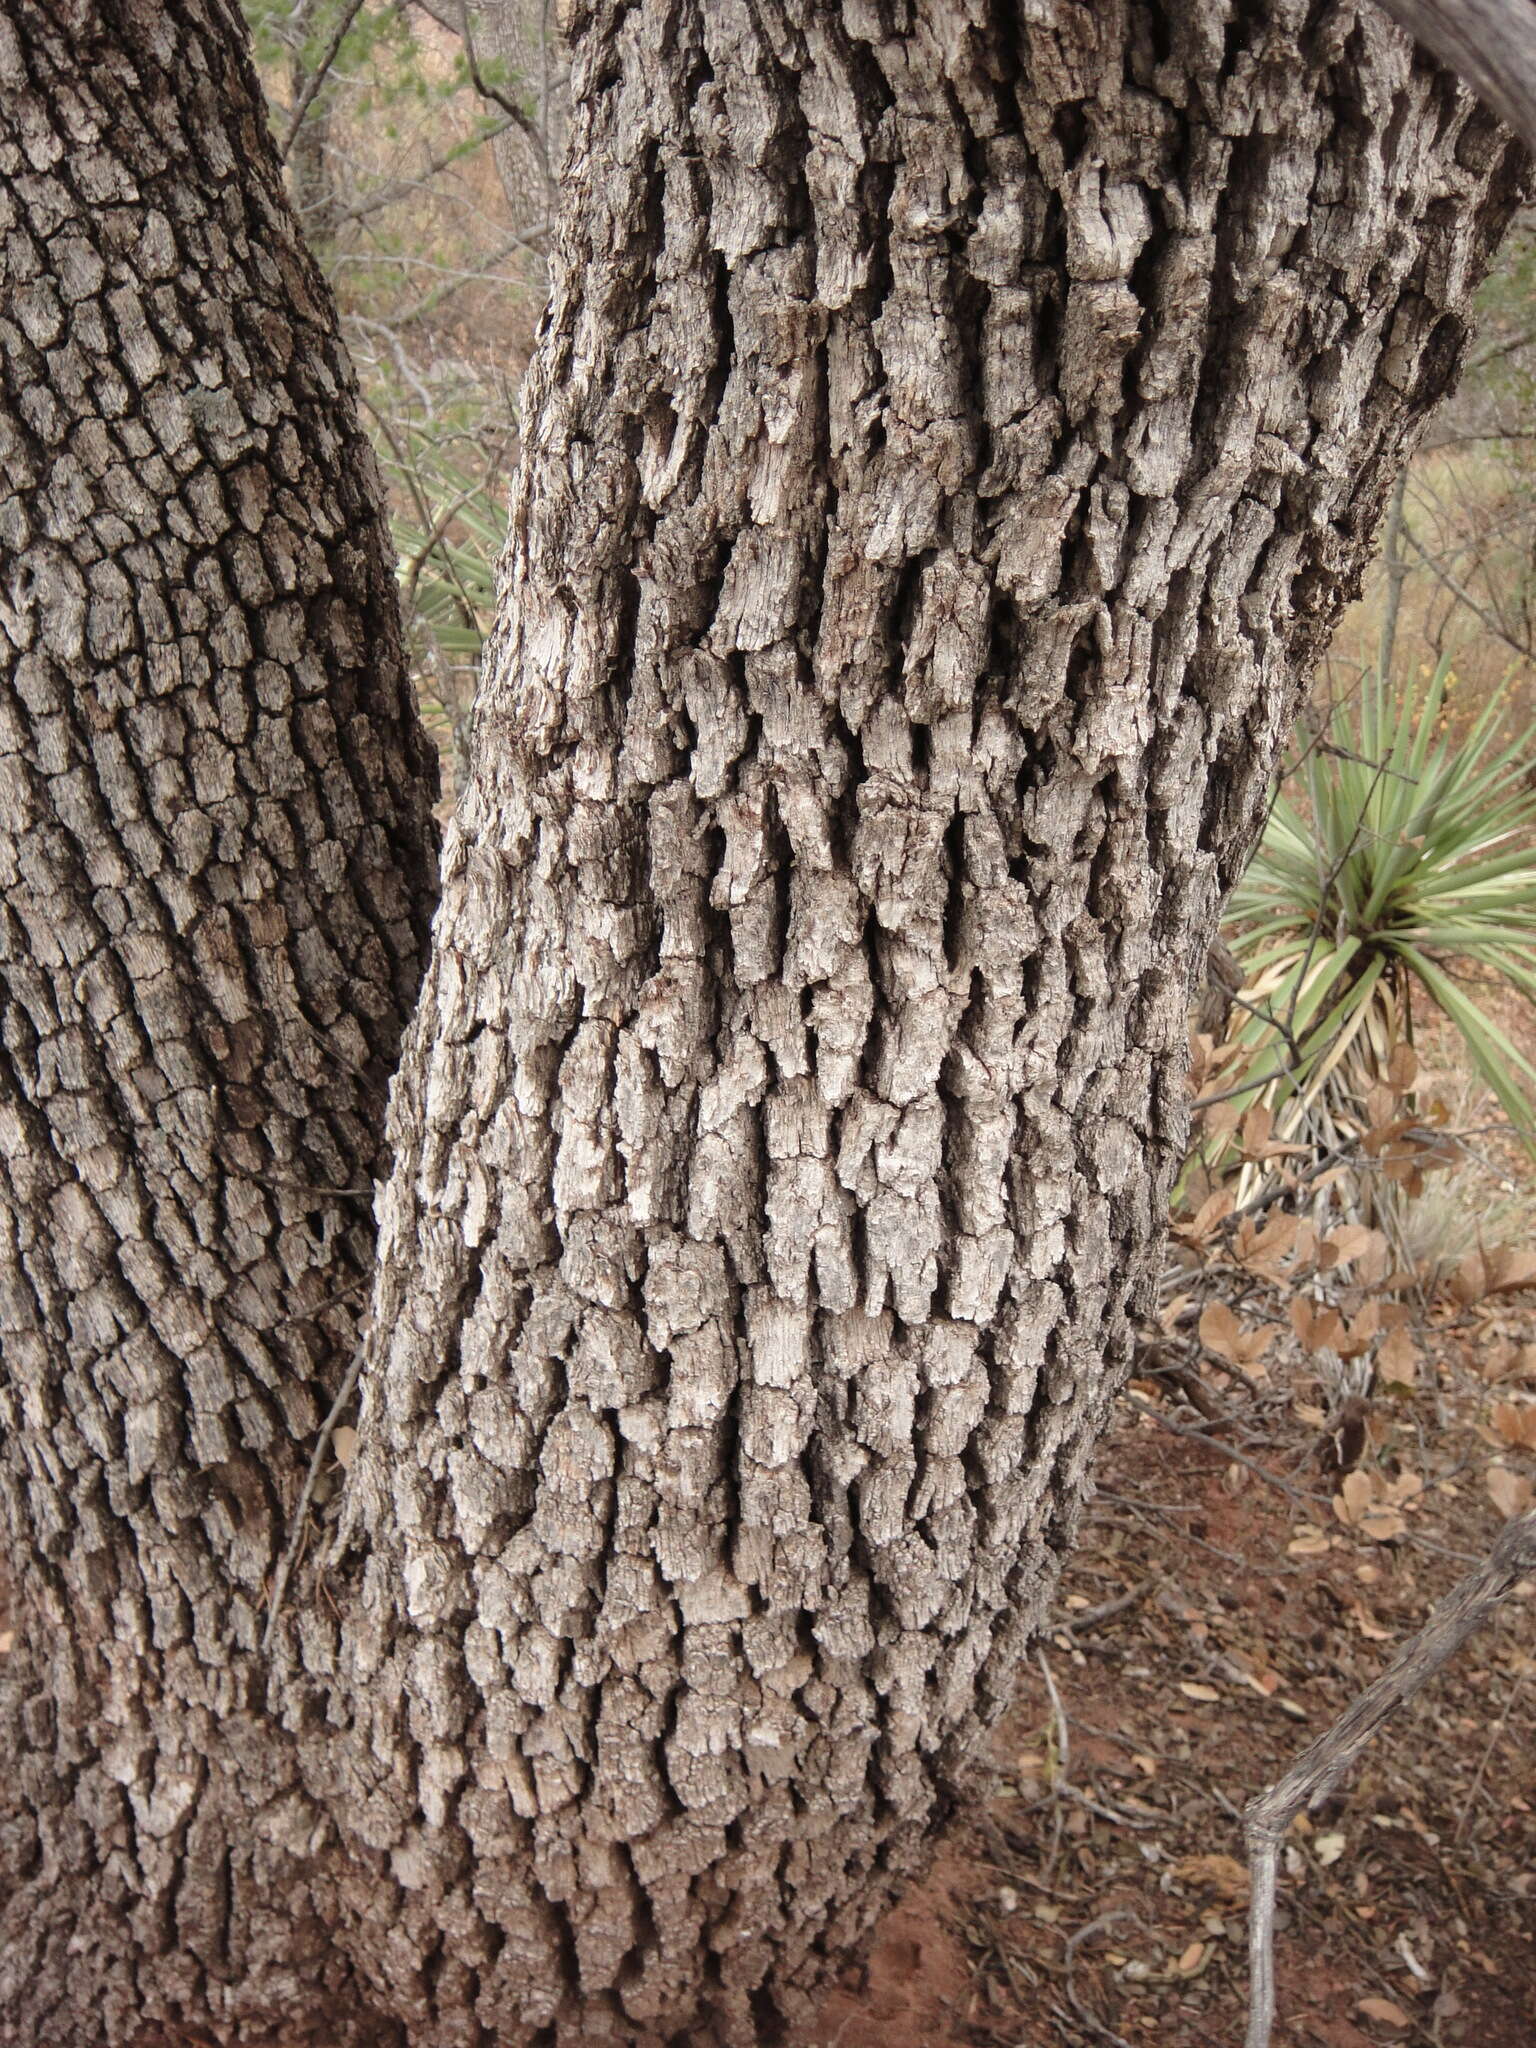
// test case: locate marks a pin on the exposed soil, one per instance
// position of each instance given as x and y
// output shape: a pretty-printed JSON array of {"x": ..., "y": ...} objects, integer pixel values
[
  {"x": 1099, "y": 1894},
  {"x": 1213, "y": 1621}
]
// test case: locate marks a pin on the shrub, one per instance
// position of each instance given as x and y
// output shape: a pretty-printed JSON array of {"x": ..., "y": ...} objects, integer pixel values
[{"x": 1398, "y": 857}]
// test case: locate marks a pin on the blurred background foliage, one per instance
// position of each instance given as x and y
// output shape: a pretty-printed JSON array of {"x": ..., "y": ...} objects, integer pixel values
[{"x": 420, "y": 144}]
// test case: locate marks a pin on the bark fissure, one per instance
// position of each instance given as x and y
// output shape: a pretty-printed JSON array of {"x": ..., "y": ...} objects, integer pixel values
[
  {"x": 864, "y": 748},
  {"x": 216, "y": 869}
]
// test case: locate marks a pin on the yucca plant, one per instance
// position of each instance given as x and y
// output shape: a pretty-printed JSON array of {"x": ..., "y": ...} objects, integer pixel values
[
  {"x": 448, "y": 569},
  {"x": 447, "y": 544},
  {"x": 1399, "y": 855}
]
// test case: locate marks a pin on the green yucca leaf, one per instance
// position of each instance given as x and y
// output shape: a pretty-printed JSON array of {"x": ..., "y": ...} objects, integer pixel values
[{"x": 1396, "y": 851}]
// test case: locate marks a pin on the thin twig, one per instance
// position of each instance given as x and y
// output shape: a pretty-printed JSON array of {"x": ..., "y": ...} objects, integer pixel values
[
  {"x": 1099, "y": 1926},
  {"x": 322, "y": 1443},
  {"x": 1323, "y": 1764},
  {"x": 1199, "y": 1436},
  {"x": 1470, "y": 1805},
  {"x": 1059, "y": 1777},
  {"x": 1464, "y": 596},
  {"x": 396, "y": 189},
  {"x": 330, "y": 1301},
  {"x": 317, "y": 78},
  {"x": 487, "y": 88},
  {"x": 1496, "y": 349},
  {"x": 1092, "y": 1616}
]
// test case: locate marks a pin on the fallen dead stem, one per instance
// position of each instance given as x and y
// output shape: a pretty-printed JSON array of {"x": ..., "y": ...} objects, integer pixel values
[
  {"x": 1324, "y": 1763},
  {"x": 1209, "y": 1625}
]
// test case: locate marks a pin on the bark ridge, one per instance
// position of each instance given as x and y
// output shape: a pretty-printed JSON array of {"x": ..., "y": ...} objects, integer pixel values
[{"x": 955, "y": 430}]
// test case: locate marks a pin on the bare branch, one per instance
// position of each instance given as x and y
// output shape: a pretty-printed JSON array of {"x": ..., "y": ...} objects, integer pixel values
[
  {"x": 290, "y": 1556},
  {"x": 455, "y": 18},
  {"x": 403, "y": 188},
  {"x": 1321, "y": 1766},
  {"x": 1464, "y": 596},
  {"x": 318, "y": 77}
]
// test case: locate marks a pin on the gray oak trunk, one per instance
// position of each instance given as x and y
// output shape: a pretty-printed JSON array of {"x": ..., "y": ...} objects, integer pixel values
[
  {"x": 216, "y": 876},
  {"x": 1491, "y": 43},
  {"x": 954, "y": 433}
]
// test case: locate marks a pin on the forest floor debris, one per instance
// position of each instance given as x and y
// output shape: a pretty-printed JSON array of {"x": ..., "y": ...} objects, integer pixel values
[{"x": 1208, "y": 1627}]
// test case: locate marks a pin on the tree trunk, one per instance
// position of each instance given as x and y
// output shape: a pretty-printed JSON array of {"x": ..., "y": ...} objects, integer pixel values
[
  {"x": 955, "y": 432},
  {"x": 1491, "y": 43},
  {"x": 216, "y": 872}
]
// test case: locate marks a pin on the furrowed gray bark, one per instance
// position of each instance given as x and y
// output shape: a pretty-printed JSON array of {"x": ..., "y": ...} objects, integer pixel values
[
  {"x": 1490, "y": 43},
  {"x": 216, "y": 875},
  {"x": 955, "y": 431}
]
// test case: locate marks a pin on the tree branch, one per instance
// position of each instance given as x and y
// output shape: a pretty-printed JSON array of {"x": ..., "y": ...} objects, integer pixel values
[
  {"x": 295, "y": 1544},
  {"x": 1320, "y": 1767},
  {"x": 1490, "y": 43},
  {"x": 317, "y": 78}
]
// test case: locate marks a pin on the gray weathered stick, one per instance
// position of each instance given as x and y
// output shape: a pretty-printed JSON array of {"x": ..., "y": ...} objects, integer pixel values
[
  {"x": 295, "y": 1544},
  {"x": 1319, "y": 1768},
  {"x": 1491, "y": 43}
]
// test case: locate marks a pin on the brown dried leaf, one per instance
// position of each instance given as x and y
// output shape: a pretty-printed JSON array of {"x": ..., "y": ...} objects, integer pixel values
[
  {"x": 1258, "y": 1128},
  {"x": 1407, "y": 1486},
  {"x": 1385, "y": 2011},
  {"x": 1200, "y": 1050},
  {"x": 1384, "y": 1132},
  {"x": 1210, "y": 1216},
  {"x": 1278, "y": 1235},
  {"x": 1354, "y": 1498},
  {"x": 1220, "y": 1119},
  {"x": 1255, "y": 1342},
  {"x": 1469, "y": 1282},
  {"x": 1509, "y": 1269},
  {"x": 1397, "y": 1361},
  {"x": 1509, "y": 1491},
  {"x": 1357, "y": 1339},
  {"x": 1402, "y": 1068},
  {"x": 1352, "y": 1240},
  {"x": 1383, "y": 1525},
  {"x": 1168, "y": 1318},
  {"x": 1318, "y": 1328},
  {"x": 1220, "y": 1331},
  {"x": 1367, "y": 1623},
  {"x": 1516, "y": 1424},
  {"x": 1223, "y": 1875}
]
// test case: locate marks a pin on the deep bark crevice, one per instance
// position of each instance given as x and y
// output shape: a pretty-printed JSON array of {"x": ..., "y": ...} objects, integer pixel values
[{"x": 941, "y": 467}]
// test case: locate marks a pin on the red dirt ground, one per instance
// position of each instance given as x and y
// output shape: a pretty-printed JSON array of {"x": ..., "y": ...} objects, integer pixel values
[
  {"x": 1109, "y": 1904},
  {"x": 1098, "y": 1897}
]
